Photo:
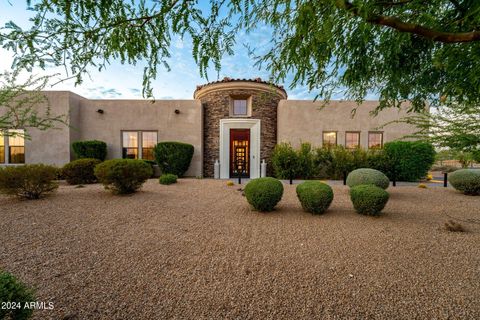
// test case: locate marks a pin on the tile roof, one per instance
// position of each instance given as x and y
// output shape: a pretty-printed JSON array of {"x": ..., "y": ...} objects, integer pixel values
[{"x": 256, "y": 80}]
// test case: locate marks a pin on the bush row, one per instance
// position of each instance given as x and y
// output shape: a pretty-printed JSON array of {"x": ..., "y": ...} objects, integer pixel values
[
  {"x": 406, "y": 160},
  {"x": 263, "y": 194}
]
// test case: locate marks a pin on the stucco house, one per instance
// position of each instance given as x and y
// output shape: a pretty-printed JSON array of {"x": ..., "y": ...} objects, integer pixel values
[{"x": 232, "y": 121}]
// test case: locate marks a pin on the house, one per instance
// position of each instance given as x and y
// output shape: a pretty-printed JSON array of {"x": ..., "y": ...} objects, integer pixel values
[{"x": 235, "y": 121}]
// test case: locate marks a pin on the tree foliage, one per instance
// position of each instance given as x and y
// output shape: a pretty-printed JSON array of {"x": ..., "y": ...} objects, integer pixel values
[
  {"x": 399, "y": 49},
  {"x": 450, "y": 126},
  {"x": 24, "y": 106}
]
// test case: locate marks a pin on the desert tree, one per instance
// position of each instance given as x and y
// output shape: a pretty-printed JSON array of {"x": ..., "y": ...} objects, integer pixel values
[
  {"x": 399, "y": 50},
  {"x": 23, "y": 105}
]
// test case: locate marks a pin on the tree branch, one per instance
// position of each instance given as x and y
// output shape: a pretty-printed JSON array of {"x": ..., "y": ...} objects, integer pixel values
[{"x": 395, "y": 23}]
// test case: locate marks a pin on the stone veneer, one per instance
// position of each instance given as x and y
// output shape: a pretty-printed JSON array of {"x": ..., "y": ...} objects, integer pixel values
[{"x": 216, "y": 104}]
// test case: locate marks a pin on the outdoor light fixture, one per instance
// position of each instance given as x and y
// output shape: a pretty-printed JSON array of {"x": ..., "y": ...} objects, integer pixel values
[
  {"x": 100, "y": 111},
  {"x": 177, "y": 111}
]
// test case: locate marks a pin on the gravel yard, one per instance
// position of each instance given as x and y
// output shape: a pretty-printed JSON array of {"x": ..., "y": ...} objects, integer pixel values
[{"x": 194, "y": 250}]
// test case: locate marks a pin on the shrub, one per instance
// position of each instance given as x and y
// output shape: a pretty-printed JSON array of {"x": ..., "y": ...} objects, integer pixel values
[
  {"x": 409, "y": 160},
  {"x": 315, "y": 196},
  {"x": 305, "y": 163},
  {"x": 367, "y": 176},
  {"x": 264, "y": 193},
  {"x": 323, "y": 162},
  {"x": 28, "y": 181},
  {"x": 90, "y": 149},
  {"x": 466, "y": 181},
  {"x": 368, "y": 199},
  {"x": 342, "y": 161},
  {"x": 151, "y": 163},
  {"x": 123, "y": 176},
  {"x": 173, "y": 157},
  {"x": 12, "y": 290},
  {"x": 285, "y": 161},
  {"x": 230, "y": 183},
  {"x": 80, "y": 171},
  {"x": 167, "y": 179}
]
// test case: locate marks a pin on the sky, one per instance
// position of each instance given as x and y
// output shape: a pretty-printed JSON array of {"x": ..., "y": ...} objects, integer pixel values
[{"x": 125, "y": 81}]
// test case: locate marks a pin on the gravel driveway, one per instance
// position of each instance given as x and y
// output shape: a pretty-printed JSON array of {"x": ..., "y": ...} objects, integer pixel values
[{"x": 195, "y": 250}]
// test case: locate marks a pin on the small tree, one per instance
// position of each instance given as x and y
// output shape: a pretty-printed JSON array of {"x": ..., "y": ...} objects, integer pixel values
[{"x": 23, "y": 105}]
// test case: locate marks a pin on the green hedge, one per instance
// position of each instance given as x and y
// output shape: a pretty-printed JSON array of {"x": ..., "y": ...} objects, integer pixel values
[
  {"x": 368, "y": 199},
  {"x": 173, "y": 157},
  {"x": 367, "y": 176},
  {"x": 466, "y": 181},
  {"x": 314, "y": 196},
  {"x": 90, "y": 149},
  {"x": 409, "y": 160},
  {"x": 167, "y": 179},
  {"x": 12, "y": 290},
  {"x": 123, "y": 176},
  {"x": 31, "y": 181},
  {"x": 80, "y": 171},
  {"x": 264, "y": 193}
]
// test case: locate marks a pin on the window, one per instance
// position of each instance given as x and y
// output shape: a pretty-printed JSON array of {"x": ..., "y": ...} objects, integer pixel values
[
  {"x": 130, "y": 145},
  {"x": 240, "y": 107},
  {"x": 149, "y": 140},
  {"x": 329, "y": 138},
  {"x": 352, "y": 140},
  {"x": 131, "y": 149},
  {"x": 375, "y": 140},
  {"x": 16, "y": 146}
]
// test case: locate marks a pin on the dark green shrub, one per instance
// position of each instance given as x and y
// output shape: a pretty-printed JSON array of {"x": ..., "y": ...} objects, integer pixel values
[
  {"x": 285, "y": 161},
  {"x": 173, "y": 157},
  {"x": 167, "y": 179},
  {"x": 323, "y": 162},
  {"x": 123, "y": 176},
  {"x": 90, "y": 149},
  {"x": 264, "y": 193},
  {"x": 368, "y": 199},
  {"x": 466, "y": 181},
  {"x": 151, "y": 163},
  {"x": 315, "y": 196},
  {"x": 342, "y": 161},
  {"x": 30, "y": 181},
  {"x": 409, "y": 160},
  {"x": 305, "y": 164},
  {"x": 80, "y": 171},
  {"x": 367, "y": 176},
  {"x": 14, "y": 291}
]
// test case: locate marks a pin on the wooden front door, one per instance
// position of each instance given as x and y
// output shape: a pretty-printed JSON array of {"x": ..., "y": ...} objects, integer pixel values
[{"x": 239, "y": 153}]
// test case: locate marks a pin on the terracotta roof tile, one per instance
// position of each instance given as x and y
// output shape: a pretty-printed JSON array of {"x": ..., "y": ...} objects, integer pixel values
[{"x": 227, "y": 79}]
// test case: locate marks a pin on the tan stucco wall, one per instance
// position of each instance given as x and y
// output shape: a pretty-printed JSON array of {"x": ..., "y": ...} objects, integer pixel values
[
  {"x": 304, "y": 121},
  {"x": 51, "y": 146},
  {"x": 138, "y": 115}
]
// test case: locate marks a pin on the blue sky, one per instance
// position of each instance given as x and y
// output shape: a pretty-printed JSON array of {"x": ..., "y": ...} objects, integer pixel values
[{"x": 125, "y": 81}]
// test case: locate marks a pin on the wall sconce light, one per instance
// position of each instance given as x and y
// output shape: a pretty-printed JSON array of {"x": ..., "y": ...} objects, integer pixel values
[
  {"x": 100, "y": 111},
  {"x": 177, "y": 111}
]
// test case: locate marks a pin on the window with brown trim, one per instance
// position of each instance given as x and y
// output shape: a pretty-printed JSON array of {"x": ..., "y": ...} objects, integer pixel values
[
  {"x": 352, "y": 139},
  {"x": 375, "y": 140},
  {"x": 329, "y": 138},
  {"x": 133, "y": 149},
  {"x": 16, "y": 146},
  {"x": 2, "y": 148}
]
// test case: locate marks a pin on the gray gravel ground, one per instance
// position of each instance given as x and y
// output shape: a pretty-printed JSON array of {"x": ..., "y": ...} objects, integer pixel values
[{"x": 195, "y": 250}]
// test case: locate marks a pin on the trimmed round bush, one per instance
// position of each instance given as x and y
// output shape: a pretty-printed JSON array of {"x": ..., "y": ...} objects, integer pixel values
[
  {"x": 90, "y": 149},
  {"x": 12, "y": 290},
  {"x": 173, "y": 157},
  {"x": 367, "y": 176},
  {"x": 80, "y": 171},
  {"x": 368, "y": 199},
  {"x": 466, "y": 181},
  {"x": 315, "y": 196},
  {"x": 31, "y": 181},
  {"x": 123, "y": 176},
  {"x": 168, "y": 179},
  {"x": 263, "y": 194}
]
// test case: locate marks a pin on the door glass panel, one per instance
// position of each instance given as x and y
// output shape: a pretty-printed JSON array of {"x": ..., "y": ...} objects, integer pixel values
[{"x": 240, "y": 152}]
